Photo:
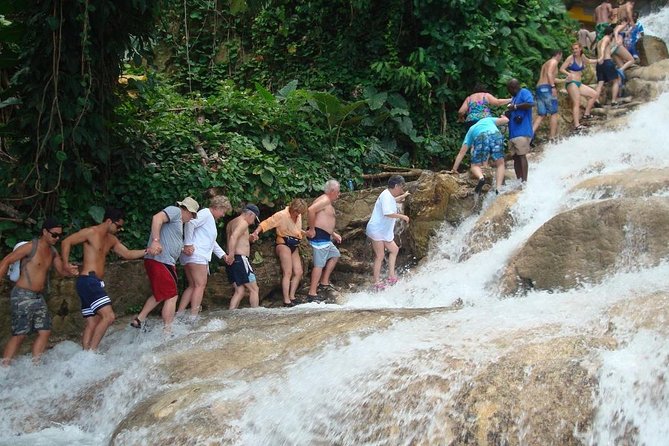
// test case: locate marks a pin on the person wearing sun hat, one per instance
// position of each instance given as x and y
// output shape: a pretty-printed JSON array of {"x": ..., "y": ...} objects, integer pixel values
[
  {"x": 165, "y": 245},
  {"x": 238, "y": 268}
]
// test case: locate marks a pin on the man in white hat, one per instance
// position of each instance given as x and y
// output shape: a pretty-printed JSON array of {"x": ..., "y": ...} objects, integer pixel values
[{"x": 166, "y": 242}]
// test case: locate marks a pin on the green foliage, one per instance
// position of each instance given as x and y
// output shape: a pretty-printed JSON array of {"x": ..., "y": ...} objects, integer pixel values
[
  {"x": 251, "y": 145},
  {"x": 264, "y": 100},
  {"x": 63, "y": 77}
]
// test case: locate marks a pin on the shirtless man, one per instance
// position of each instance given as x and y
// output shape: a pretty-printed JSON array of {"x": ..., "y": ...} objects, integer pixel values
[
  {"x": 29, "y": 310},
  {"x": 606, "y": 69},
  {"x": 95, "y": 303},
  {"x": 321, "y": 221},
  {"x": 546, "y": 94},
  {"x": 238, "y": 267},
  {"x": 625, "y": 11},
  {"x": 603, "y": 14}
]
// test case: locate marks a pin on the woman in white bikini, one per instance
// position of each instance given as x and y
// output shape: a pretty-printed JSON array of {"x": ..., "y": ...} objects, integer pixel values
[{"x": 573, "y": 67}]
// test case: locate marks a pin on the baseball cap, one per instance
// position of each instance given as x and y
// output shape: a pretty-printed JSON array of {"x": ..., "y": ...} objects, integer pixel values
[
  {"x": 190, "y": 204},
  {"x": 253, "y": 208}
]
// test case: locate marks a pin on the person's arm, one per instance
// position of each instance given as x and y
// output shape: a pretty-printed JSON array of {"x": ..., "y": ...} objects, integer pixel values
[
  {"x": 400, "y": 198},
  {"x": 62, "y": 270},
  {"x": 462, "y": 112},
  {"x": 157, "y": 222},
  {"x": 77, "y": 238},
  {"x": 565, "y": 64},
  {"x": 20, "y": 252},
  {"x": 232, "y": 242},
  {"x": 551, "y": 77},
  {"x": 458, "y": 159},
  {"x": 218, "y": 251},
  {"x": 318, "y": 205},
  {"x": 189, "y": 232},
  {"x": 128, "y": 254},
  {"x": 265, "y": 225},
  {"x": 492, "y": 100}
]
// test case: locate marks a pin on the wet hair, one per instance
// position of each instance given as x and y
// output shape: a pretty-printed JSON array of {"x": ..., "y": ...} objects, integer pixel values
[
  {"x": 556, "y": 52},
  {"x": 331, "y": 185},
  {"x": 113, "y": 214},
  {"x": 298, "y": 205},
  {"x": 395, "y": 180},
  {"x": 50, "y": 223},
  {"x": 220, "y": 202}
]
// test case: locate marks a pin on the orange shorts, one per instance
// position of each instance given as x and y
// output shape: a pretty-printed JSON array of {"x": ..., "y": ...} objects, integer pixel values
[{"x": 163, "y": 279}]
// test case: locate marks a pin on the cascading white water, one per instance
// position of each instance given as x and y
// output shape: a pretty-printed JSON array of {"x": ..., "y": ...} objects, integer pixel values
[
  {"x": 78, "y": 398},
  {"x": 655, "y": 24}
]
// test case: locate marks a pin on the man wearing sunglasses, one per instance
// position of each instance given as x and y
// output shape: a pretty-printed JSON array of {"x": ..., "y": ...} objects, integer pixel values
[
  {"x": 28, "y": 307},
  {"x": 97, "y": 241}
]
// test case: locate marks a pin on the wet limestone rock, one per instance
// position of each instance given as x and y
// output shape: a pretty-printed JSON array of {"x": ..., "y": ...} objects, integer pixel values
[
  {"x": 586, "y": 243},
  {"x": 651, "y": 49},
  {"x": 628, "y": 183},
  {"x": 646, "y": 83},
  {"x": 495, "y": 223},
  {"x": 437, "y": 198},
  {"x": 534, "y": 395}
]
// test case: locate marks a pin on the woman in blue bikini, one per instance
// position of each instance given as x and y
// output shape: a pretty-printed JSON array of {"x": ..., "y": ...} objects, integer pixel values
[{"x": 573, "y": 67}]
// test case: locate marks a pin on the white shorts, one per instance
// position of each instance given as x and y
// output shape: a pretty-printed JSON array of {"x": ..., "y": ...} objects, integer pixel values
[
  {"x": 199, "y": 260},
  {"x": 379, "y": 237}
]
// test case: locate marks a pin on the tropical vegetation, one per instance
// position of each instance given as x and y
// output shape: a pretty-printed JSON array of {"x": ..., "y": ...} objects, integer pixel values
[{"x": 137, "y": 103}]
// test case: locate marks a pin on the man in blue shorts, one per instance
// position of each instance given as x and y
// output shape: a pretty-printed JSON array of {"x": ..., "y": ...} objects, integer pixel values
[
  {"x": 238, "y": 268},
  {"x": 97, "y": 241},
  {"x": 485, "y": 141},
  {"x": 546, "y": 94},
  {"x": 606, "y": 68}
]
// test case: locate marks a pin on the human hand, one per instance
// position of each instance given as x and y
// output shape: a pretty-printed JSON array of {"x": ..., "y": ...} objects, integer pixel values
[
  {"x": 253, "y": 237},
  {"x": 229, "y": 259},
  {"x": 189, "y": 250},
  {"x": 336, "y": 237},
  {"x": 311, "y": 232}
]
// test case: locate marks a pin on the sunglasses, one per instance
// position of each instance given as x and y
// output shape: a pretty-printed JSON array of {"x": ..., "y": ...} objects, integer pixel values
[
  {"x": 118, "y": 226},
  {"x": 55, "y": 235}
]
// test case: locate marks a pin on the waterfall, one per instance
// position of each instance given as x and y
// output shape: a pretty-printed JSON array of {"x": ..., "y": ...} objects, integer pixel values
[
  {"x": 393, "y": 382},
  {"x": 655, "y": 24}
]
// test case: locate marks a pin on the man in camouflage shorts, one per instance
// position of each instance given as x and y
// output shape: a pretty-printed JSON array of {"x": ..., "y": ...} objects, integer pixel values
[{"x": 29, "y": 310}]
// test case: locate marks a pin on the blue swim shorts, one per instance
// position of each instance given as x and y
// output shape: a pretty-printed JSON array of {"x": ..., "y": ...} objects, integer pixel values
[
  {"x": 487, "y": 145},
  {"x": 92, "y": 294},
  {"x": 547, "y": 104}
]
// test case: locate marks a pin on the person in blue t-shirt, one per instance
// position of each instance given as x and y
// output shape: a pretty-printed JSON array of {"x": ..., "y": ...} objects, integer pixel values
[
  {"x": 520, "y": 126},
  {"x": 485, "y": 141}
]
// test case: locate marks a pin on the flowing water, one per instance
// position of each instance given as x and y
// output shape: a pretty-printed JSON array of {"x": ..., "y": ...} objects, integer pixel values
[{"x": 385, "y": 381}]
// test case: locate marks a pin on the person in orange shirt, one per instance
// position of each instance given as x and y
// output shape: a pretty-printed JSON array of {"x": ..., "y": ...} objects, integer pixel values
[{"x": 288, "y": 226}]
